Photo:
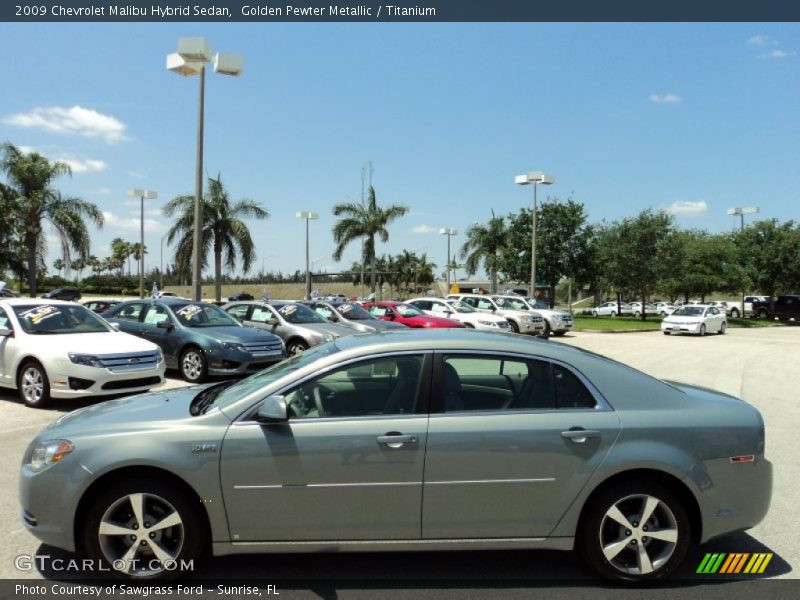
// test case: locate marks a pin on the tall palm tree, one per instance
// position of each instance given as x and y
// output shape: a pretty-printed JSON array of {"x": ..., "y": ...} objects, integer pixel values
[
  {"x": 365, "y": 221},
  {"x": 30, "y": 176},
  {"x": 484, "y": 243},
  {"x": 223, "y": 229}
]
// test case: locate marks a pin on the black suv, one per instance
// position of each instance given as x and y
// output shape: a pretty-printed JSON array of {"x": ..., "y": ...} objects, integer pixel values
[
  {"x": 63, "y": 294},
  {"x": 786, "y": 307}
]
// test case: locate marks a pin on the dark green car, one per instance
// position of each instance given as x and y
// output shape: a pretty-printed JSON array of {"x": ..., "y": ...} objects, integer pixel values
[{"x": 198, "y": 338}]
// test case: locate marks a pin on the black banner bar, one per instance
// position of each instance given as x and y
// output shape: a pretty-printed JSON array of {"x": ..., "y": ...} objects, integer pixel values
[{"x": 399, "y": 11}]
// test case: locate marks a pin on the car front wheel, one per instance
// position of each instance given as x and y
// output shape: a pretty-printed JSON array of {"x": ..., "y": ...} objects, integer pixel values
[
  {"x": 33, "y": 385},
  {"x": 296, "y": 347},
  {"x": 143, "y": 529},
  {"x": 702, "y": 330},
  {"x": 636, "y": 532},
  {"x": 735, "y": 313},
  {"x": 723, "y": 328},
  {"x": 193, "y": 365},
  {"x": 594, "y": 313}
]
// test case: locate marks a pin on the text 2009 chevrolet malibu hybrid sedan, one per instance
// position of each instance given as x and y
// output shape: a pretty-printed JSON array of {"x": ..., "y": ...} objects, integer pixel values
[{"x": 440, "y": 439}]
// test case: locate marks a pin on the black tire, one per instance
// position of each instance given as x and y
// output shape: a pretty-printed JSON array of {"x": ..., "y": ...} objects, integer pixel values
[
  {"x": 702, "y": 330},
  {"x": 193, "y": 365},
  {"x": 296, "y": 346},
  {"x": 594, "y": 314},
  {"x": 514, "y": 326},
  {"x": 613, "y": 314},
  {"x": 559, "y": 333},
  {"x": 723, "y": 328},
  {"x": 469, "y": 325},
  {"x": 33, "y": 385},
  {"x": 598, "y": 529},
  {"x": 637, "y": 314},
  {"x": 666, "y": 333},
  {"x": 734, "y": 313},
  {"x": 546, "y": 333},
  {"x": 184, "y": 540},
  {"x": 763, "y": 313}
]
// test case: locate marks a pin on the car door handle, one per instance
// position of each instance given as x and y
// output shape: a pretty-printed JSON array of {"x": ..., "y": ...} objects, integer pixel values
[
  {"x": 395, "y": 440},
  {"x": 579, "y": 435}
]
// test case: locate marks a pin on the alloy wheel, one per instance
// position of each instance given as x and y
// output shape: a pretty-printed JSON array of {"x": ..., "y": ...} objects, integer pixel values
[
  {"x": 638, "y": 534},
  {"x": 141, "y": 535},
  {"x": 32, "y": 385},
  {"x": 192, "y": 365}
]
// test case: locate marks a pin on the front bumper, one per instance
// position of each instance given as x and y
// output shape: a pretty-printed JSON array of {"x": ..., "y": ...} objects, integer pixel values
[
  {"x": 77, "y": 381},
  {"x": 240, "y": 363},
  {"x": 529, "y": 327},
  {"x": 681, "y": 327}
]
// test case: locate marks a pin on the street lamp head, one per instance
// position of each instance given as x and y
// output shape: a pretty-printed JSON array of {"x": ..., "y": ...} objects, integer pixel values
[
  {"x": 751, "y": 210},
  {"x": 194, "y": 49},
  {"x": 448, "y": 231},
  {"x": 145, "y": 194},
  {"x": 534, "y": 177},
  {"x": 226, "y": 63},
  {"x": 177, "y": 64},
  {"x": 307, "y": 215}
]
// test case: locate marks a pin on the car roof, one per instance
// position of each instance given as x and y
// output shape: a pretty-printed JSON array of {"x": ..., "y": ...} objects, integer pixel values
[{"x": 37, "y": 302}]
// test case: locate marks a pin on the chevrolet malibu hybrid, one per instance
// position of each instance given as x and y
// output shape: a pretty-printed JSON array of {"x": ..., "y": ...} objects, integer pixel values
[
  {"x": 58, "y": 349},
  {"x": 407, "y": 440},
  {"x": 198, "y": 338}
]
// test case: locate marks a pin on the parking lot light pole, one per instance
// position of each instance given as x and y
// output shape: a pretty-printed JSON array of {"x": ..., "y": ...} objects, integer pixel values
[
  {"x": 741, "y": 212},
  {"x": 190, "y": 60},
  {"x": 535, "y": 178},
  {"x": 449, "y": 233},
  {"x": 142, "y": 195},
  {"x": 308, "y": 216}
]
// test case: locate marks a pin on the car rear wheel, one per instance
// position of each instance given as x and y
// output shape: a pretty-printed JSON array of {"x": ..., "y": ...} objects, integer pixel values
[
  {"x": 763, "y": 313},
  {"x": 33, "y": 385},
  {"x": 636, "y": 532},
  {"x": 143, "y": 529},
  {"x": 723, "y": 328},
  {"x": 613, "y": 314},
  {"x": 735, "y": 313},
  {"x": 469, "y": 325},
  {"x": 702, "y": 330},
  {"x": 666, "y": 333},
  {"x": 594, "y": 313},
  {"x": 637, "y": 314},
  {"x": 296, "y": 347},
  {"x": 193, "y": 365}
]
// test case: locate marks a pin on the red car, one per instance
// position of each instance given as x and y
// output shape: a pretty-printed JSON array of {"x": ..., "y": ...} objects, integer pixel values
[{"x": 406, "y": 314}]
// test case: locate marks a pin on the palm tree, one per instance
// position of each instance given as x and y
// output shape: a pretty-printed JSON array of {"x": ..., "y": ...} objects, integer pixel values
[
  {"x": 365, "y": 221},
  {"x": 483, "y": 244},
  {"x": 222, "y": 229},
  {"x": 120, "y": 252},
  {"x": 30, "y": 176}
]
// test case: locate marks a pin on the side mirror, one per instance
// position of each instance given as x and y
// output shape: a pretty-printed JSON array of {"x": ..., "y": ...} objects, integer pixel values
[
  {"x": 165, "y": 325},
  {"x": 272, "y": 410},
  {"x": 6, "y": 332},
  {"x": 271, "y": 321}
]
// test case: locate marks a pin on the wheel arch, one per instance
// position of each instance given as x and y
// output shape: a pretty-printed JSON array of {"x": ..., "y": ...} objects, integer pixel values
[
  {"x": 24, "y": 361},
  {"x": 128, "y": 472},
  {"x": 653, "y": 475}
]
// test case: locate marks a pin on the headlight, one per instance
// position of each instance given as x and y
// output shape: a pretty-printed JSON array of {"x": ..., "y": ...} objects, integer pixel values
[
  {"x": 46, "y": 454},
  {"x": 159, "y": 355},
  {"x": 233, "y": 346},
  {"x": 89, "y": 360},
  {"x": 328, "y": 337}
]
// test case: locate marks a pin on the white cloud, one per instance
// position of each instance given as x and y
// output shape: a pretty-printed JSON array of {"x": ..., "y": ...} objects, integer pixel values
[
  {"x": 665, "y": 99},
  {"x": 88, "y": 165},
  {"x": 688, "y": 208},
  {"x": 760, "y": 40},
  {"x": 130, "y": 224},
  {"x": 73, "y": 120},
  {"x": 778, "y": 54},
  {"x": 424, "y": 229}
]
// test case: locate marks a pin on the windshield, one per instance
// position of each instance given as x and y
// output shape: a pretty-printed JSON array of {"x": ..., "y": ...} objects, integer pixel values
[
  {"x": 689, "y": 311},
  {"x": 536, "y": 303},
  {"x": 247, "y": 386},
  {"x": 202, "y": 315},
  {"x": 299, "y": 314},
  {"x": 47, "y": 319},
  {"x": 407, "y": 310},
  {"x": 461, "y": 307},
  {"x": 512, "y": 303},
  {"x": 354, "y": 312}
]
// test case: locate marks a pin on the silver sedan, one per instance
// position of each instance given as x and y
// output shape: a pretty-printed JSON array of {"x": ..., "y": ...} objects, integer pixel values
[{"x": 418, "y": 440}]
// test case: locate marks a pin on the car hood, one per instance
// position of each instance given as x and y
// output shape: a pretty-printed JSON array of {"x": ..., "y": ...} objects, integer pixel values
[
  {"x": 233, "y": 334},
  {"x": 155, "y": 410},
  {"x": 682, "y": 319},
  {"x": 109, "y": 342},
  {"x": 548, "y": 312},
  {"x": 383, "y": 325}
]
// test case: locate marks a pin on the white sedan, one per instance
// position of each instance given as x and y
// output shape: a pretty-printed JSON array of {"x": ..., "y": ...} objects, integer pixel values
[
  {"x": 458, "y": 311},
  {"x": 55, "y": 349},
  {"x": 611, "y": 309},
  {"x": 696, "y": 319},
  {"x": 664, "y": 308}
]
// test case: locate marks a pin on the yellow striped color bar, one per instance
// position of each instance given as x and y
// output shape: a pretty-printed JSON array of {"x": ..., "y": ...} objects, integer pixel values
[
  {"x": 764, "y": 564},
  {"x": 759, "y": 562}
]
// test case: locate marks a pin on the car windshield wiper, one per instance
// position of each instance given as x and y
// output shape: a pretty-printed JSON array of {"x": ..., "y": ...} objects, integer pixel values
[{"x": 205, "y": 399}]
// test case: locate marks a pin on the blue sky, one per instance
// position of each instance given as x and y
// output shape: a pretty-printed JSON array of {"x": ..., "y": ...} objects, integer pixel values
[{"x": 695, "y": 118}]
